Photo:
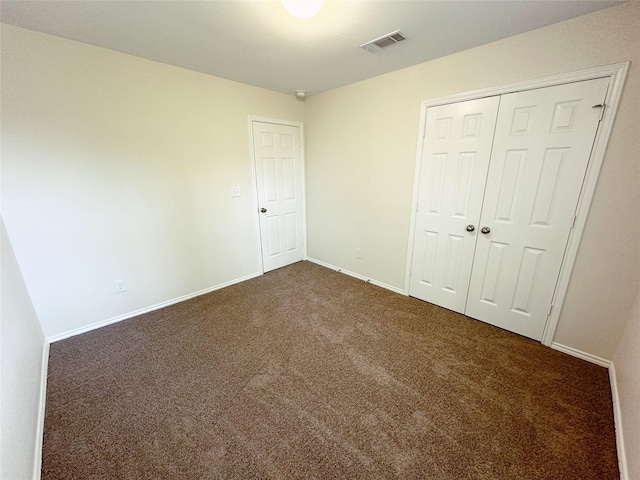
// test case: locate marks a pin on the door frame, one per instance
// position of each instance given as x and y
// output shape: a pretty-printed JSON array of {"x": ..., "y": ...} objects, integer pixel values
[
  {"x": 254, "y": 182},
  {"x": 616, "y": 74}
]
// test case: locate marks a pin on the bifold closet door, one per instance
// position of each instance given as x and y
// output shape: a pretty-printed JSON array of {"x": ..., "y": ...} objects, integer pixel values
[
  {"x": 455, "y": 161},
  {"x": 541, "y": 151},
  {"x": 499, "y": 185}
]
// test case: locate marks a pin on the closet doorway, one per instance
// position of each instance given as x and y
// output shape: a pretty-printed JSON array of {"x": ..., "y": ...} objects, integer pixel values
[{"x": 499, "y": 185}]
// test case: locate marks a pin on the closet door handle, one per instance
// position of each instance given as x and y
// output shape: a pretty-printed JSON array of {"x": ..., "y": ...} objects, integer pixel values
[
  {"x": 485, "y": 230},
  {"x": 471, "y": 228}
]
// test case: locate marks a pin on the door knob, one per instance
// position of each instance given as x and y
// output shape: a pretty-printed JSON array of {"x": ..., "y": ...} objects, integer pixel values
[
  {"x": 485, "y": 230},
  {"x": 471, "y": 228},
  {"x": 263, "y": 210}
]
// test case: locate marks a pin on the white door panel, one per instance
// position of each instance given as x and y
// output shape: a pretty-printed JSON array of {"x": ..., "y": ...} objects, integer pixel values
[
  {"x": 541, "y": 150},
  {"x": 513, "y": 166},
  {"x": 279, "y": 177},
  {"x": 456, "y": 153}
]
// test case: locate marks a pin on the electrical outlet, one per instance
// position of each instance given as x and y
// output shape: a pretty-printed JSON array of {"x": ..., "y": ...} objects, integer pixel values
[
  {"x": 119, "y": 286},
  {"x": 235, "y": 191},
  {"x": 358, "y": 254}
]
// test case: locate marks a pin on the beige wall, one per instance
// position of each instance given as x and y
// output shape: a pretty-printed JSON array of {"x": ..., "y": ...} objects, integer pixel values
[
  {"x": 21, "y": 344},
  {"x": 115, "y": 167},
  {"x": 627, "y": 360},
  {"x": 361, "y": 146}
]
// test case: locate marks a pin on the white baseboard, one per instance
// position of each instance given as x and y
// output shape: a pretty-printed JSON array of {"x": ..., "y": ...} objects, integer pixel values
[
  {"x": 617, "y": 412},
  {"x": 574, "y": 352},
  {"x": 617, "y": 418},
  {"x": 357, "y": 275},
  {"x": 37, "y": 456},
  {"x": 119, "y": 318}
]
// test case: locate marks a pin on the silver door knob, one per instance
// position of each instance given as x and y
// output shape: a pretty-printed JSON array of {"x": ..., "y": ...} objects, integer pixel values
[
  {"x": 471, "y": 228},
  {"x": 263, "y": 210},
  {"x": 485, "y": 230}
]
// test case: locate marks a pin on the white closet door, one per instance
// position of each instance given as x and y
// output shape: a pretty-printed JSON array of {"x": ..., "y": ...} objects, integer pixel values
[
  {"x": 541, "y": 150},
  {"x": 457, "y": 148}
]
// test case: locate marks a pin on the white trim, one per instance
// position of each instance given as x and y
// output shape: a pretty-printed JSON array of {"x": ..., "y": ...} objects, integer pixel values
[
  {"x": 574, "y": 352},
  {"x": 254, "y": 177},
  {"x": 256, "y": 203},
  {"x": 157, "y": 306},
  {"x": 275, "y": 121},
  {"x": 37, "y": 456},
  {"x": 617, "y": 420},
  {"x": 357, "y": 275},
  {"x": 422, "y": 125},
  {"x": 303, "y": 163},
  {"x": 617, "y": 412},
  {"x": 560, "y": 79},
  {"x": 617, "y": 74}
]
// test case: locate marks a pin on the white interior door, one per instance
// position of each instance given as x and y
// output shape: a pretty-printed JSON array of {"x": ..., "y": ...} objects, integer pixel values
[
  {"x": 279, "y": 178},
  {"x": 541, "y": 150},
  {"x": 456, "y": 152}
]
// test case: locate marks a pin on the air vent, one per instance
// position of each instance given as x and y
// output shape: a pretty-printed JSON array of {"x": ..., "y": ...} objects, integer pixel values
[{"x": 384, "y": 41}]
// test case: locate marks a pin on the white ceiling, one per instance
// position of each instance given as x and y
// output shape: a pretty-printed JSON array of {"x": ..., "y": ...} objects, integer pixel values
[{"x": 258, "y": 43}]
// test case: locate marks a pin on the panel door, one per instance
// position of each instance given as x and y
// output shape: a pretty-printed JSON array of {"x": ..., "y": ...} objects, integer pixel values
[
  {"x": 541, "y": 150},
  {"x": 456, "y": 153},
  {"x": 279, "y": 177}
]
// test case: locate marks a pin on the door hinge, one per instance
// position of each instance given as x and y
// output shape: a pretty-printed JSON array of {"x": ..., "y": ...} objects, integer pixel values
[
  {"x": 550, "y": 309},
  {"x": 573, "y": 222},
  {"x": 602, "y": 108}
]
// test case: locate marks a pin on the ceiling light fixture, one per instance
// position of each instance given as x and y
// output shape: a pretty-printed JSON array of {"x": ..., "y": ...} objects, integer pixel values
[{"x": 302, "y": 8}]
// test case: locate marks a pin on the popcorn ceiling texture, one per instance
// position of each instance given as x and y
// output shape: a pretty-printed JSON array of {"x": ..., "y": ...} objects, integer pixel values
[{"x": 308, "y": 373}]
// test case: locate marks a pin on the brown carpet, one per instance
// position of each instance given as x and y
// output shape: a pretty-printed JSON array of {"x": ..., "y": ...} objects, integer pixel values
[{"x": 308, "y": 373}]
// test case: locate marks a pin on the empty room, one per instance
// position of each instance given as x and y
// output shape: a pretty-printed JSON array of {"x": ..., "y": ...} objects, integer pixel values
[{"x": 372, "y": 240}]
